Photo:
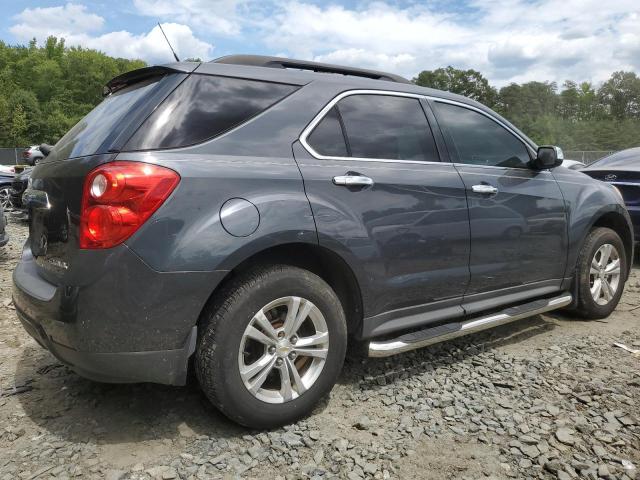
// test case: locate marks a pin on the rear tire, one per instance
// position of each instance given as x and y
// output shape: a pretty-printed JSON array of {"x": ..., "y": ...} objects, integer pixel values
[
  {"x": 245, "y": 366},
  {"x": 602, "y": 267}
]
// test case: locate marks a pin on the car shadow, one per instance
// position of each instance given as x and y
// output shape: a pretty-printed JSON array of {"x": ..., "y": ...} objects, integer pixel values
[
  {"x": 80, "y": 410},
  {"x": 426, "y": 359}
]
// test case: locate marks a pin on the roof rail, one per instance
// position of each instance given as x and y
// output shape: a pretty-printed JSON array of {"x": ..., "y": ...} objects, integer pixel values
[{"x": 279, "y": 62}]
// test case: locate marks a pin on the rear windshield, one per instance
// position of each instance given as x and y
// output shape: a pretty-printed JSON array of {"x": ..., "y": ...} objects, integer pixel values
[
  {"x": 203, "y": 107},
  {"x": 96, "y": 132}
]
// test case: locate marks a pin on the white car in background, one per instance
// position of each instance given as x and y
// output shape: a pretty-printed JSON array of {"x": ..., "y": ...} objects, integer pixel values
[
  {"x": 32, "y": 155},
  {"x": 573, "y": 164}
]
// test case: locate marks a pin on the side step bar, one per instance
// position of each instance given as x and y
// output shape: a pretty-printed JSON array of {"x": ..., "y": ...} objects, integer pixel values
[{"x": 429, "y": 336}]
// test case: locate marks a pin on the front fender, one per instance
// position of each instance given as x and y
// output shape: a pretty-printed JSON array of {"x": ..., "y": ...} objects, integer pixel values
[{"x": 587, "y": 200}]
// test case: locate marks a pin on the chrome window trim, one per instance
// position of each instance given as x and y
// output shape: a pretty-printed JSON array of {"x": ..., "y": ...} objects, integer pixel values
[{"x": 320, "y": 116}]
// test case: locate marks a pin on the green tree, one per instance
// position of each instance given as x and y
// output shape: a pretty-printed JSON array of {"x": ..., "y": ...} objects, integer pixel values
[
  {"x": 19, "y": 126},
  {"x": 569, "y": 105},
  {"x": 469, "y": 83},
  {"x": 45, "y": 90},
  {"x": 620, "y": 95}
]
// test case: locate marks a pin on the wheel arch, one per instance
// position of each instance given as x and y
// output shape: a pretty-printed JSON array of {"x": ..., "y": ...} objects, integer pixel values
[
  {"x": 617, "y": 222},
  {"x": 325, "y": 263}
]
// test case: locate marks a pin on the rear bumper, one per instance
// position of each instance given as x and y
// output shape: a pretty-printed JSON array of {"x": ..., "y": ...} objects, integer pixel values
[
  {"x": 165, "y": 366},
  {"x": 126, "y": 324}
]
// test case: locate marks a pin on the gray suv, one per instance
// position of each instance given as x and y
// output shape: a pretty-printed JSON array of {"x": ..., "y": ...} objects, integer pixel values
[{"x": 252, "y": 213}]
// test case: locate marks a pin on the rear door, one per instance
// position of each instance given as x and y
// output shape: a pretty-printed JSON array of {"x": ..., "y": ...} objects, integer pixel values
[
  {"x": 517, "y": 214},
  {"x": 382, "y": 199}
]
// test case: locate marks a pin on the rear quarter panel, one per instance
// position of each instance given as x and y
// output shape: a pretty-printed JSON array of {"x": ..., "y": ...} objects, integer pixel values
[{"x": 253, "y": 162}]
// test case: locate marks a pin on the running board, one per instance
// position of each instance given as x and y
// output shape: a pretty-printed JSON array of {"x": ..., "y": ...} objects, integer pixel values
[{"x": 429, "y": 336}]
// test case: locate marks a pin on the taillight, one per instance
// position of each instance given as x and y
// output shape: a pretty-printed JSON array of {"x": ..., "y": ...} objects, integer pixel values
[
  {"x": 26, "y": 154},
  {"x": 118, "y": 198}
]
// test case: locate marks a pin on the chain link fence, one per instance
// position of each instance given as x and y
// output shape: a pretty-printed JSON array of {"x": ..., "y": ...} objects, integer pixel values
[
  {"x": 11, "y": 156},
  {"x": 586, "y": 156}
]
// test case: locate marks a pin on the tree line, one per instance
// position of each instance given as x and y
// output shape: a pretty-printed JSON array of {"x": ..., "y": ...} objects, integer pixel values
[
  {"x": 45, "y": 90},
  {"x": 578, "y": 116}
]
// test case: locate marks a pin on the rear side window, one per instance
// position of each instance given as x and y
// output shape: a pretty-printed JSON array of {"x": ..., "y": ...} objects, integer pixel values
[
  {"x": 387, "y": 127},
  {"x": 478, "y": 140},
  {"x": 327, "y": 138},
  {"x": 203, "y": 107}
]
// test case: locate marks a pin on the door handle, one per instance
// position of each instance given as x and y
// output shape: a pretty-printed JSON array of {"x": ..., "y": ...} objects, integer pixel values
[
  {"x": 353, "y": 180},
  {"x": 484, "y": 189}
]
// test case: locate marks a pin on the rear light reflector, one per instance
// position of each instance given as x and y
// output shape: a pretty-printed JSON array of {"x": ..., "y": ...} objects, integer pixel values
[{"x": 118, "y": 198}]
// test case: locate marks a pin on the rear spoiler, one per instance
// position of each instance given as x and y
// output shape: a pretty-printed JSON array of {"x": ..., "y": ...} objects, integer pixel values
[{"x": 135, "y": 76}]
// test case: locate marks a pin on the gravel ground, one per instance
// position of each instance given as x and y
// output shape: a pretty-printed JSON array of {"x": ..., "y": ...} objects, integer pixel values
[{"x": 547, "y": 397}]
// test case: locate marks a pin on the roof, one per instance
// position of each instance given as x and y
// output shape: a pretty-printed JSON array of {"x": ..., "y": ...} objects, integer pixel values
[
  {"x": 301, "y": 72},
  {"x": 280, "y": 62}
]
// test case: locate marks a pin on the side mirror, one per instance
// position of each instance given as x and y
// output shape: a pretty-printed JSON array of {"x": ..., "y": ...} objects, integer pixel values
[{"x": 548, "y": 156}]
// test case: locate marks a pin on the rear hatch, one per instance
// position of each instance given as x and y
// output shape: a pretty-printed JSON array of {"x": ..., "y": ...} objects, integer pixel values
[{"x": 54, "y": 195}]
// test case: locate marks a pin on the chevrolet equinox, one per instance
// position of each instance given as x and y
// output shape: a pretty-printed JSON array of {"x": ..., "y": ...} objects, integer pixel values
[{"x": 253, "y": 213}]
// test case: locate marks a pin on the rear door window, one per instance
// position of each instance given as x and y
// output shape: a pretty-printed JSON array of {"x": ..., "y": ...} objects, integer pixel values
[
  {"x": 203, "y": 107},
  {"x": 387, "y": 127},
  {"x": 327, "y": 138}
]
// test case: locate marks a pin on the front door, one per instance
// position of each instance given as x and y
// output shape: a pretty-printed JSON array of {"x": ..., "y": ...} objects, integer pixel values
[
  {"x": 381, "y": 198},
  {"x": 516, "y": 214}
]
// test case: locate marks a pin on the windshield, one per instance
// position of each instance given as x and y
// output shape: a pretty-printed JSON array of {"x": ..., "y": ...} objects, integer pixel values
[{"x": 97, "y": 132}]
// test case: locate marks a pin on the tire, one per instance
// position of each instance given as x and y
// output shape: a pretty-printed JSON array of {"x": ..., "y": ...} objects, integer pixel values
[
  {"x": 223, "y": 333},
  {"x": 587, "y": 306},
  {"x": 4, "y": 196}
]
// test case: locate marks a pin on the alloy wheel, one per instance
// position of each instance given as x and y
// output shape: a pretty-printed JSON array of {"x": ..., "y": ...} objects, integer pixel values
[
  {"x": 604, "y": 274},
  {"x": 283, "y": 349},
  {"x": 4, "y": 197}
]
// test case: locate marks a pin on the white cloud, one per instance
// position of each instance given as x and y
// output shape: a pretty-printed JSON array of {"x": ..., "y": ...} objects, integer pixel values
[
  {"x": 67, "y": 19},
  {"x": 219, "y": 17},
  {"x": 79, "y": 27},
  {"x": 150, "y": 46},
  {"x": 506, "y": 40}
]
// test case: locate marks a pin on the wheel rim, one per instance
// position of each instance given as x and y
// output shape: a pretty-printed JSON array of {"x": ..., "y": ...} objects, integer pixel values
[
  {"x": 283, "y": 350},
  {"x": 604, "y": 275},
  {"x": 4, "y": 197}
]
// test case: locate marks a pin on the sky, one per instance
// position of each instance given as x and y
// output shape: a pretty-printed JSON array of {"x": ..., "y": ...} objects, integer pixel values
[{"x": 506, "y": 40}]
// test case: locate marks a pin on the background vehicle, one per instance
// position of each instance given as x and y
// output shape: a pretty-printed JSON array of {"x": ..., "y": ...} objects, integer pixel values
[
  {"x": 256, "y": 211},
  {"x": 6, "y": 179},
  {"x": 573, "y": 164},
  {"x": 32, "y": 155},
  {"x": 18, "y": 187},
  {"x": 4, "y": 236},
  {"x": 622, "y": 170}
]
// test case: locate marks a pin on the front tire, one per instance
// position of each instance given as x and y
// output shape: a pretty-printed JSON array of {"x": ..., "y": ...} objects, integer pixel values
[
  {"x": 272, "y": 346},
  {"x": 602, "y": 268}
]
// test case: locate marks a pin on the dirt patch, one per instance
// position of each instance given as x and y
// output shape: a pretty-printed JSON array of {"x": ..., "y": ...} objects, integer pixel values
[{"x": 547, "y": 397}]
